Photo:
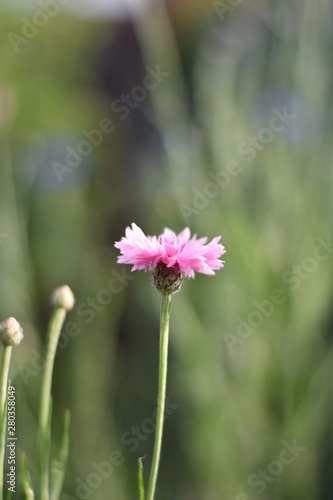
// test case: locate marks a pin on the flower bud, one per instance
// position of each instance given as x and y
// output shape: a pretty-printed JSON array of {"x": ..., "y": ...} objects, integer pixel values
[
  {"x": 11, "y": 332},
  {"x": 167, "y": 279},
  {"x": 63, "y": 297}
]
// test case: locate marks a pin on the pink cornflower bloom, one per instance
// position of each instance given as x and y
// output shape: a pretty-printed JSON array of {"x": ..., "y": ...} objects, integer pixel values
[{"x": 170, "y": 252}]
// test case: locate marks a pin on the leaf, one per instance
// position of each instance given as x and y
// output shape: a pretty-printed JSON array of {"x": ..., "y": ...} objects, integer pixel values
[
  {"x": 140, "y": 480},
  {"x": 26, "y": 483},
  {"x": 59, "y": 466}
]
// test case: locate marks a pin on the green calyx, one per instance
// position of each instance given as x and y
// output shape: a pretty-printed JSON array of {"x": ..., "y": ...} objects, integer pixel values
[{"x": 167, "y": 280}]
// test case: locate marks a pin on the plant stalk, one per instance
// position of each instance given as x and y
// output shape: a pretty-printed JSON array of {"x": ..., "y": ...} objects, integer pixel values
[
  {"x": 5, "y": 362},
  {"x": 164, "y": 340},
  {"x": 55, "y": 326}
]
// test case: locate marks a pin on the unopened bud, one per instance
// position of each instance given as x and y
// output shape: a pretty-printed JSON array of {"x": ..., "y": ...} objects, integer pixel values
[
  {"x": 11, "y": 332},
  {"x": 63, "y": 297}
]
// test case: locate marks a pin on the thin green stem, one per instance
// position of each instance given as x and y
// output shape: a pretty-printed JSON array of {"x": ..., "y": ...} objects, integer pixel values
[
  {"x": 164, "y": 339},
  {"x": 55, "y": 326},
  {"x": 5, "y": 362},
  {"x": 140, "y": 480}
]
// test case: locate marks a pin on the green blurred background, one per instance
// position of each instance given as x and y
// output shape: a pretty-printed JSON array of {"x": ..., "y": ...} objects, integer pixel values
[{"x": 237, "y": 394}]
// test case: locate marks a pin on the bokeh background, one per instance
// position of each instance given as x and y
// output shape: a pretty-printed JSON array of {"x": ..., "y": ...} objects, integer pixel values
[{"x": 236, "y": 393}]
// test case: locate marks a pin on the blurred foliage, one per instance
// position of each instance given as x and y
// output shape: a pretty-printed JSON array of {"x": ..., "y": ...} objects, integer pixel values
[{"x": 236, "y": 405}]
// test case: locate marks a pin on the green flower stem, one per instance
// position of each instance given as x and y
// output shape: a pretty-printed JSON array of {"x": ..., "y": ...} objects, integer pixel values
[
  {"x": 54, "y": 330},
  {"x": 5, "y": 362},
  {"x": 164, "y": 339},
  {"x": 140, "y": 480}
]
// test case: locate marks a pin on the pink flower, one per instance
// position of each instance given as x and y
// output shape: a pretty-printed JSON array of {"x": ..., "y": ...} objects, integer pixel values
[{"x": 181, "y": 252}]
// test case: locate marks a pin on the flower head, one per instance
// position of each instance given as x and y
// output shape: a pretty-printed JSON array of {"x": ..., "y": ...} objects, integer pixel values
[
  {"x": 63, "y": 297},
  {"x": 11, "y": 332},
  {"x": 181, "y": 253}
]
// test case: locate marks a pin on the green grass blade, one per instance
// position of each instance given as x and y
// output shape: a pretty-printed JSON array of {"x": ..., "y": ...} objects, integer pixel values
[
  {"x": 59, "y": 466},
  {"x": 26, "y": 483},
  {"x": 140, "y": 480}
]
